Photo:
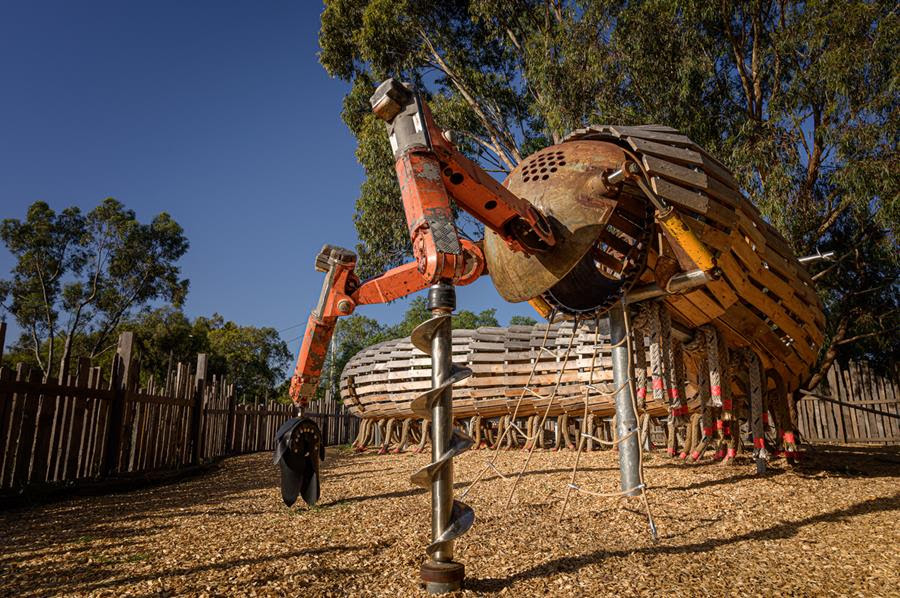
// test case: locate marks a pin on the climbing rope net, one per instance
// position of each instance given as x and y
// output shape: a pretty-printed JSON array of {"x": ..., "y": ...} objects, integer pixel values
[
  {"x": 656, "y": 356},
  {"x": 538, "y": 428}
]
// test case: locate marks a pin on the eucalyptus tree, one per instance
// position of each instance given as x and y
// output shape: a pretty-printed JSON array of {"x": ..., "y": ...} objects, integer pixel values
[
  {"x": 798, "y": 98},
  {"x": 77, "y": 276}
]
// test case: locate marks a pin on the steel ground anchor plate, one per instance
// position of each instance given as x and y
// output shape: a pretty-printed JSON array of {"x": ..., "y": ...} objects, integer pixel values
[{"x": 441, "y": 577}]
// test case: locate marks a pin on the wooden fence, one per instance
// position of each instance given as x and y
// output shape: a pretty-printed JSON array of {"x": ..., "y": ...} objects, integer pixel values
[
  {"x": 857, "y": 405},
  {"x": 92, "y": 428},
  {"x": 338, "y": 425}
]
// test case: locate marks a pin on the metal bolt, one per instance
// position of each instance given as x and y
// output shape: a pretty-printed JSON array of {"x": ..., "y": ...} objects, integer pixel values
[{"x": 344, "y": 306}]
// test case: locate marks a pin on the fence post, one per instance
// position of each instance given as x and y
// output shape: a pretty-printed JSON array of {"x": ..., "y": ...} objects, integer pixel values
[
  {"x": 2, "y": 338},
  {"x": 120, "y": 380},
  {"x": 260, "y": 430},
  {"x": 836, "y": 393},
  {"x": 197, "y": 410},
  {"x": 229, "y": 423}
]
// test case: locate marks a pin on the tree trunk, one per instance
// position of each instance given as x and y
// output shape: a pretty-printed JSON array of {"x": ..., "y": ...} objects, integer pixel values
[
  {"x": 830, "y": 354},
  {"x": 64, "y": 359}
]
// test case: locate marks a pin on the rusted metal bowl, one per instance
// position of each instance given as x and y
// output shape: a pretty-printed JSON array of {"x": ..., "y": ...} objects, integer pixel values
[{"x": 599, "y": 250}]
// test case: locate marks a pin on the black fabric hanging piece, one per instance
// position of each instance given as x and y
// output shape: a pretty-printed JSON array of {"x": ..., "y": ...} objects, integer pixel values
[{"x": 299, "y": 449}]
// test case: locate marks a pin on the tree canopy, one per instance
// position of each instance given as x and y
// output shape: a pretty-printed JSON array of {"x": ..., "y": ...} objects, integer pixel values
[
  {"x": 78, "y": 276},
  {"x": 799, "y": 99},
  {"x": 254, "y": 359}
]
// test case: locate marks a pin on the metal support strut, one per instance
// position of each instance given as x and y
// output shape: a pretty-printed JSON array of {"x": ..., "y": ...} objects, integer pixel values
[
  {"x": 449, "y": 518},
  {"x": 626, "y": 418}
]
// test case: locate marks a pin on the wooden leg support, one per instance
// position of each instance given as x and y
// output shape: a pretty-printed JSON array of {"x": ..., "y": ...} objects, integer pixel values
[
  {"x": 488, "y": 434},
  {"x": 424, "y": 439},
  {"x": 386, "y": 440},
  {"x": 404, "y": 436},
  {"x": 589, "y": 430},
  {"x": 501, "y": 427},
  {"x": 567, "y": 439},
  {"x": 671, "y": 438},
  {"x": 529, "y": 432}
]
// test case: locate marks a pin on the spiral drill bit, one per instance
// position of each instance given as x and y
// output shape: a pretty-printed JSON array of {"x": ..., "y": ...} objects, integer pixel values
[{"x": 449, "y": 518}]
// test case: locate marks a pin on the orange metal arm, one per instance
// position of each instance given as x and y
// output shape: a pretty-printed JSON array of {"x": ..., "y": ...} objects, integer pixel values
[
  {"x": 481, "y": 195},
  {"x": 431, "y": 172},
  {"x": 342, "y": 292},
  {"x": 335, "y": 300},
  {"x": 406, "y": 279},
  {"x": 430, "y": 168}
]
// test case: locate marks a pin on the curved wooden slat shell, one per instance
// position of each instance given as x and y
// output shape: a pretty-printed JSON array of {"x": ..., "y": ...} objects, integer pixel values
[{"x": 381, "y": 380}]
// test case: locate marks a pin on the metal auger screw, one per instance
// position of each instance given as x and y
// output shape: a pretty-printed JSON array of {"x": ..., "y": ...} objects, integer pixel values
[{"x": 449, "y": 518}]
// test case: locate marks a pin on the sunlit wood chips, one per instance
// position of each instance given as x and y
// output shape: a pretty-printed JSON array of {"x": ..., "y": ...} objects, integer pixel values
[{"x": 828, "y": 526}]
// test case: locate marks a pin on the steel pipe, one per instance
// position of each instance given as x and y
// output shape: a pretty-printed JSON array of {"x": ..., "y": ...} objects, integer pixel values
[
  {"x": 679, "y": 283},
  {"x": 626, "y": 418}
]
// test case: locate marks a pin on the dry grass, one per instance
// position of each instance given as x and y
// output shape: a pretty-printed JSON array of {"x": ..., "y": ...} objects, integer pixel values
[{"x": 827, "y": 527}]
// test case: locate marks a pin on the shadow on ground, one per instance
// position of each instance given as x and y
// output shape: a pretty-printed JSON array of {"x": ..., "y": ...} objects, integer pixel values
[{"x": 776, "y": 532}]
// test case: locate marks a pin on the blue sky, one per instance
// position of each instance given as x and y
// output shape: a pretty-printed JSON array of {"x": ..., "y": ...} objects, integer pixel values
[{"x": 216, "y": 112}]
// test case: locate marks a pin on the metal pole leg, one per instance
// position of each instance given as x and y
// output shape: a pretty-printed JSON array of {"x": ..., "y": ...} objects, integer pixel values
[
  {"x": 449, "y": 518},
  {"x": 626, "y": 418}
]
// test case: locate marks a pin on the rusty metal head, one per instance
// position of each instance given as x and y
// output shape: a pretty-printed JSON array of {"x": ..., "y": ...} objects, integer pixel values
[{"x": 566, "y": 183}]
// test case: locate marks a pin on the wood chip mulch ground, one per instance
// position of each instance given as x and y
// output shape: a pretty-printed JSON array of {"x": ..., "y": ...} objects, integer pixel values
[{"x": 830, "y": 526}]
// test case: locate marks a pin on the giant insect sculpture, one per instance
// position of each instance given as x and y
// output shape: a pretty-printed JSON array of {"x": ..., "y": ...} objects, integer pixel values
[{"x": 610, "y": 215}]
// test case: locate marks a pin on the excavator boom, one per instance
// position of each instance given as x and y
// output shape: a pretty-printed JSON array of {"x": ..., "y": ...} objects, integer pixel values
[{"x": 433, "y": 175}]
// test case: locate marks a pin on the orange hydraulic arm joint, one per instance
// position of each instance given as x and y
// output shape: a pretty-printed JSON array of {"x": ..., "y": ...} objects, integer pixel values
[
  {"x": 342, "y": 291},
  {"x": 431, "y": 171}
]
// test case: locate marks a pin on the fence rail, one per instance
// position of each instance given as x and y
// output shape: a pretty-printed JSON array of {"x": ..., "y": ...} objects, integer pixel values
[
  {"x": 864, "y": 407},
  {"x": 91, "y": 427}
]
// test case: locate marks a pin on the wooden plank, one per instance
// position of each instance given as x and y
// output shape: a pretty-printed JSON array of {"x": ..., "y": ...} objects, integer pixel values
[
  {"x": 680, "y": 196},
  {"x": 28, "y": 433},
  {"x": 875, "y": 421},
  {"x": 666, "y": 137},
  {"x": 803, "y": 421},
  {"x": 764, "y": 302},
  {"x": 704, "y": 303},
  {"x": 89, "y": 428},
  {"x": 858, "y": 394},
  {"x": 35, "y": 385},
  {"x": 876, "y": 394},
  {"x": 847, "y": 396},
  {"x": 59, "y": 434},
  {"x": 92, "y": 423},
  {"x": 104, "y": 410},
  {"x": 76, "y": 423},
  {"x": 150, "y": 434},
  {"x": 714, "y": 238},
  {"x": 884, "y": 392},
  {"x": 165, "y": 422},
  {"x": 729, "y": 196},
  {"x": 663, "y": 128},
  {"x": 832, "y": 384},
  {"x": 115, "y": 442},
  {"x": 715, "y": 169},
  {"x": 133, "y": 416},
  {"x": 850, "y": 415},
  {"x": 662, "y": 150},
  {"x": 688, "y": 310},
  {"x": 12, "y": 407},
  {"x": 173, "y": 457},
  {"x": 871, "y": 395}
]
